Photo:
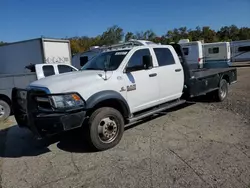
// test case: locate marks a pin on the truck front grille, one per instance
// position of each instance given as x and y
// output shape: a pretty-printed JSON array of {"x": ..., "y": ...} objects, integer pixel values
[{"x": 41, "y": 100}]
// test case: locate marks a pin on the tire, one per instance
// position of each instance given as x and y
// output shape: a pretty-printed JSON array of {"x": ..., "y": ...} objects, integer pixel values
[
  {"x": 222, "y": 93},
  {"x": 105, "y": 121},
  {"x": 4, "y": 110}
]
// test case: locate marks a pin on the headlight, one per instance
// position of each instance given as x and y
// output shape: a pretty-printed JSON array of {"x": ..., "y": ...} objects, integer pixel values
[{"x": 66, "y": 101}]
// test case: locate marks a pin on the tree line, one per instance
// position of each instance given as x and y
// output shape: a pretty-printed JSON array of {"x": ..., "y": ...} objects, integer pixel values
[{"x": 116, "y": 34}]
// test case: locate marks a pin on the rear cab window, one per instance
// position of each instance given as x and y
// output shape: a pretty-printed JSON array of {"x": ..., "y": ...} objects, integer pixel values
[
  {"x": 48, "y": 70},
  {"x": 185, "y": 50},
  {"x": 164, "y": 56}
]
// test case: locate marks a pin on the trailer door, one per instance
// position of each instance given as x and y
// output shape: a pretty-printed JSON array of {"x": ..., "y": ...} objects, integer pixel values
[{"x": 57, "y": 51}]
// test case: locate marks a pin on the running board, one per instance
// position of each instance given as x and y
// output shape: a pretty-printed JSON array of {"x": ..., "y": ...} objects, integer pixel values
[{"x": 156, "y": 110}]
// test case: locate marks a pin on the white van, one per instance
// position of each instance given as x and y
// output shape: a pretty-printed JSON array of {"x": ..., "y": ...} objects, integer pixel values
[
  {"x": 193, "y": 53},
  {"x": 216, "y": 54}
]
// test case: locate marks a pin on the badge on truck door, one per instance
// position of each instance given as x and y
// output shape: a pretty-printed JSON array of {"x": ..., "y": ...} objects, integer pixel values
[{"x": 131, "y": 87}]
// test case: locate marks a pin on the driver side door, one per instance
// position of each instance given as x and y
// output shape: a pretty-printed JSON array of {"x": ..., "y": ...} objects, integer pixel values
[{"x": 141, "y": 84}]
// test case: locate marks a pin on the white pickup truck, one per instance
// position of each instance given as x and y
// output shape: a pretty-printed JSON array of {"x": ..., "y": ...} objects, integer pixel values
[
  {"x": 119, "y": 86},
  {"x": 36, "y": 72}
]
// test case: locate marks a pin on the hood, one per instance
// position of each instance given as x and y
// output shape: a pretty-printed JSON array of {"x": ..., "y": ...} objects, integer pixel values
[{"x": 69, "y": 81}]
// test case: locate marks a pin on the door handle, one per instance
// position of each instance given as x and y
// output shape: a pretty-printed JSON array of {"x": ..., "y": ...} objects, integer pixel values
[
  {"x": 177, "y": 70},
  {"x": 153, "y": 74}
]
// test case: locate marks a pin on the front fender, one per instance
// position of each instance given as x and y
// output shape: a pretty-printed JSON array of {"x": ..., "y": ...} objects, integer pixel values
[{"x": 106, "y": 95}]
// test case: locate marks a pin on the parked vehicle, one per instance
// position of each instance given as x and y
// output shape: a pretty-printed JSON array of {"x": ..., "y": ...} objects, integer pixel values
[
  {"x": 217, "y": 54},
  {"x": 14, "y": 57},
  {"x": 240, "y": 50},
  {"x": 193, "y": 52},
  {"x": 119, "y": 86},
  {"x": 78, "y": 59},
  {"x": 36, "y": 72}
]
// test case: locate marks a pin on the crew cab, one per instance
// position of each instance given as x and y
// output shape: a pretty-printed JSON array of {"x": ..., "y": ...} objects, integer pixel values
[{"x": 119, "y": 86}]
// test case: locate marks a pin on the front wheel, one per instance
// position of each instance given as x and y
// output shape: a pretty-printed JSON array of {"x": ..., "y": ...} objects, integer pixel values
[{"x": 106, "y": 127}]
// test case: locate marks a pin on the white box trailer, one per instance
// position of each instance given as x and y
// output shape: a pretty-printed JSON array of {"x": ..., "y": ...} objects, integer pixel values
[
  {"x": 240, "y": 50},
  {"x": 15, "y": 56}
]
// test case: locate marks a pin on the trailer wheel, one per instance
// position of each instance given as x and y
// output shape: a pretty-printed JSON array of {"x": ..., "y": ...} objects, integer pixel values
[
  {"x": 105, "y": 128},
  {"x": 4, "y": 110},
  {"x": 222, "y": 92}
]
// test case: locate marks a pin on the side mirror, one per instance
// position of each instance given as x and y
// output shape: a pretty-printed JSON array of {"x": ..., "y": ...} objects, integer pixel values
[
  {"x": 147, "y": 62},
  {"x": 83, "y": 60}
]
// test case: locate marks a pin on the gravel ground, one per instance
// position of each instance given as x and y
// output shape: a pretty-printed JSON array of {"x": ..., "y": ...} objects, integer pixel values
[{"x": 200, "y": 145}]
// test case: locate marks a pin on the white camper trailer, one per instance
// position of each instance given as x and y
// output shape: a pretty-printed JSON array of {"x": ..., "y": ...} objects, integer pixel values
[
  {"x": 240, "y": 50},
  {"x": 193, "y": 53},
  {"x": 217, "y": 54}
]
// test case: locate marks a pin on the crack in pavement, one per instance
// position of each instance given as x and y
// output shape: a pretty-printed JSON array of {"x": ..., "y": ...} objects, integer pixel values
[
  {"x": 241, "y": 151},
  {"x": 1, "y": 174},
  {"x": 73, "y": 162},
  {"x": 234, "y": 145},
  {"x": 3, "y": 138},
  {"x": 150, "y": 157},
  {"x": 57, "y": 180},
  {"x": 189, "y": 166}
]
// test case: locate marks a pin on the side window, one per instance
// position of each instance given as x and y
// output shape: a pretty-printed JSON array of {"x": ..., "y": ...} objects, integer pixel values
[
  {"x": 164, "y": 56},
  {"x": 135, "y": 63},
  {"x": 213, "y": 50},
  {"x": 244, "y": 49},
  {"x": 64, "y": 68},
  {"x": 185, "y": 51},
  {"x": 48, "y": 70}
]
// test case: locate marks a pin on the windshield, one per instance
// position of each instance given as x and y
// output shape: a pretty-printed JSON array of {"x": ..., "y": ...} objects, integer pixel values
[{"x": 106, "y": 60}]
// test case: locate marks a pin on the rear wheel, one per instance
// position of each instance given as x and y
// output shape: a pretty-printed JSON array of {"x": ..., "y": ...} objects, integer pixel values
[
  {"x": 4, "y": 110},
  {"x": 222, "y": 92},
  {"x": 106, "y": 127}
]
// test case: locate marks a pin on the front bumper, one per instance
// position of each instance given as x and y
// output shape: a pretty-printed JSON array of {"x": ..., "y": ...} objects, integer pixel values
[{"x": 43, "y": 122}]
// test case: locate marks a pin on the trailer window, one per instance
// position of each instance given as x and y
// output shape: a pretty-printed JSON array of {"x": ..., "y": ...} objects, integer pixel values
[
  {"x": 213, "y": 50},
  {"x": 185, "y": 51},
  {"x": 48, "y": 70},
  {"x": 164, "y": 56},
  {"x": 244, "y": 49}
]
